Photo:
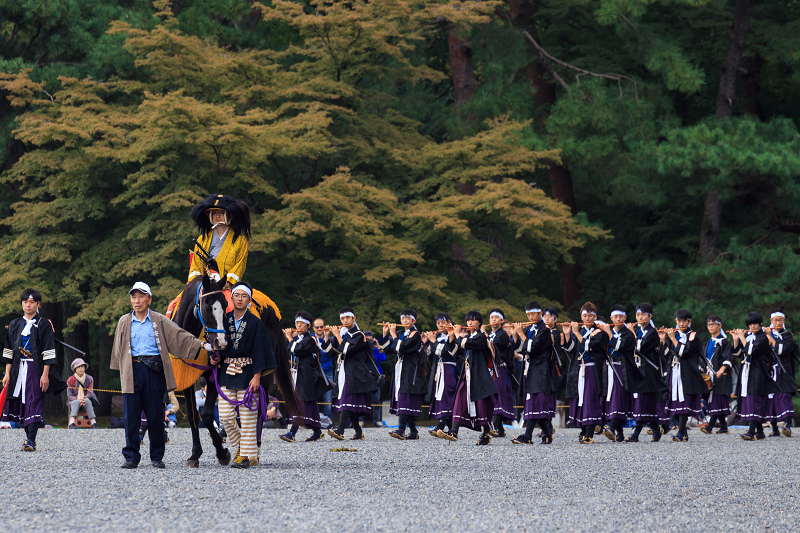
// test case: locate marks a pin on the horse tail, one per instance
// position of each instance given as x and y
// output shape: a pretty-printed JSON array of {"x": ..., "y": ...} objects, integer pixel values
[{"x": 283, "y": 375}]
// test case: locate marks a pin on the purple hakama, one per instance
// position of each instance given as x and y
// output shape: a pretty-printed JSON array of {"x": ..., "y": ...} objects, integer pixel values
[
  {"x": 644, "y": 407},
  {"x": 484, "y": 409},
  {"x": 720, "y": 405},
  {"x": 780, "y": 406},
  {"x": 30, "y": 412},
  {"x": 591, "y": 412},
  {"x": 538, "y": 405},
  {"x": 310, "y": 417},
  {"x": 689, "y": 406},
  {"x": 753, "y": 408},
  {"x": 504, "y": 399},
  {"x": 619, "y": 406},
  {"x": 406, "y": 404},
  {"x": 663, "y": 414},
  {"x": 444, "y": 408},
  {"x": 356, "y": 403}
]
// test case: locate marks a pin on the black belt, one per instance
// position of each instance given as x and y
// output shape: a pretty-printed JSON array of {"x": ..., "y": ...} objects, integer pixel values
[{"x": 140, "y": 357}]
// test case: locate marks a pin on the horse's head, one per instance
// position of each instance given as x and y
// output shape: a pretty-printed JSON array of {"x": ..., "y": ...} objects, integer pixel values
[{"x": 212, "y": 303}]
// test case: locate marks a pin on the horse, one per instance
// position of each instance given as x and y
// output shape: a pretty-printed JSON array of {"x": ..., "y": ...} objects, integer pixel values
[{"x": 198, "y": 313}]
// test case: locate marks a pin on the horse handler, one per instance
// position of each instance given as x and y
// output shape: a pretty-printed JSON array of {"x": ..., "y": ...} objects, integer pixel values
[
  {"x": 248, "y": 355},
  {"x": 142, "y": 344}
]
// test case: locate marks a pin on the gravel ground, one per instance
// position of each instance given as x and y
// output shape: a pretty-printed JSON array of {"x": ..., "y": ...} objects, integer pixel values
[{"x": 713, "y": 482}]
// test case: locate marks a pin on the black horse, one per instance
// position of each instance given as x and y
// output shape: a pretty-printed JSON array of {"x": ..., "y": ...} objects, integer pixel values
[{"x": 210, "y": 298}]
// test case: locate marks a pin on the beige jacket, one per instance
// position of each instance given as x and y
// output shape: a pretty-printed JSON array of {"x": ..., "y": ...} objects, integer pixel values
[{"x": 171, "y": 339}]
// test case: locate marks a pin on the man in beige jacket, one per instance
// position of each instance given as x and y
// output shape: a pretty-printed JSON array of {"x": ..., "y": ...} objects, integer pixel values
[{"x": 142, "y": 344}]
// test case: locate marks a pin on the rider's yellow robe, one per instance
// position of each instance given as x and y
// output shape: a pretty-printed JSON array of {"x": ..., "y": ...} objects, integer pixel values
[{"x": 232, "y": 259}]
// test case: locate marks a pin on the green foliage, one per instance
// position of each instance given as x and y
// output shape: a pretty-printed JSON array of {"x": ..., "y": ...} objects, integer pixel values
[{"x": 334, "y": 120}]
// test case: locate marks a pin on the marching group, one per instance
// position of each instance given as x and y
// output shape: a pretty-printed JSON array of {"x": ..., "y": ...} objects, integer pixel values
[{"x": 471, "y": 376}]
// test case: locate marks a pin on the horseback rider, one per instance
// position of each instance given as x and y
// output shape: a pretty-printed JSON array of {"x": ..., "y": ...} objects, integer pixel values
[{"x": 224, "y": 225}]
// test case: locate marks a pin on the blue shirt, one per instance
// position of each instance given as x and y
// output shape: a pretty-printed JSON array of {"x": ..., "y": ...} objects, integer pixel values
[
  {"x": 325, "y": 361},
  {"x": 143, "y": 338},
  {"x": 711, "y": 347},
  {"x": 379, "y": 357}
]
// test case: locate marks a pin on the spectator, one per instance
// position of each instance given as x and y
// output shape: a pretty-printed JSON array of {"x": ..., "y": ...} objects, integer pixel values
[
  {"x": 379, "y": 357},
  {"x": 171, "y": 411},
  {"x": 200, "y": 396},
  {"x": 80, "y": 391},
  {"x": 325, "y": 340},
  {"x": 274, "y": 417}
]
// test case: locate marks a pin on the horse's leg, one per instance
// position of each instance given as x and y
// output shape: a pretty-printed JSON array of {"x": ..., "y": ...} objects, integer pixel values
[
  {"x": 223, "y": 455},
  {"x": 197, "y": 448}
]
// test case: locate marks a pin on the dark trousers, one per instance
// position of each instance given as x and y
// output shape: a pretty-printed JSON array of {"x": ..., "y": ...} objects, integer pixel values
[{"x": 147, "y": 396}]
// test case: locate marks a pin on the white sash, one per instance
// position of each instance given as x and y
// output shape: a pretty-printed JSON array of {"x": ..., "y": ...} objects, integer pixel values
[
  {"x": 22, "y": 379},
  {"x": 398, "y": 369},
  {"x": 473, "y": 412},
  {"x": 341, "y": 378},
  {"x": 677, "y": 383},
  {"x": 582, "y": 381},
  {"x": 611, "y": 383},
  {"x": 439, "y": 380},
  {"x": 745, "y": 378}
]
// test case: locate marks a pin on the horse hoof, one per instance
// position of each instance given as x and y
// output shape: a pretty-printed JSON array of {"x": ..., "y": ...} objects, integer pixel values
[
  {"x": 193, "y": 463},
  {"x": 225, "y": 458}
]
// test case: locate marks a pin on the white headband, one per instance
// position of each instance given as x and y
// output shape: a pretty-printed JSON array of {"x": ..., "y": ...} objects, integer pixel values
[
  {"x": 645, "y": 312},
  {"x": 243, "y": 288},
  {"x": 499, "y": 315},
  {"x": 617, "y": 313},
  {"x": 715, "y": 322},
  {"x": 779, "y": 314},
  {"x": 588, "y": 313},
  {"x": 533, "y": 310},
  {"x": 342, "y": 315},
  {"x": 407, "y": 316},
  {"x": 301, "y": 319}
]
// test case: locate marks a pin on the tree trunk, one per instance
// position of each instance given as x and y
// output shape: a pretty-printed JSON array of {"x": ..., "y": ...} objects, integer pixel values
[
  {"x": 54, "y": 406},
  {"x": 559, "y": 177},
  {"x": 464, "y": 82},
  {"x": 101, "y": 373},
  {"x": 712, "y": 209}
]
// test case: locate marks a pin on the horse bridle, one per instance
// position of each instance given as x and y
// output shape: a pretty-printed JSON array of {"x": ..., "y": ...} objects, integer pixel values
[{"x": 199, "y": 315}]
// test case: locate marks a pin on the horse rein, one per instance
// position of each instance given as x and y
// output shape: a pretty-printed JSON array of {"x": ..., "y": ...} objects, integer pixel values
[{"x": 199, "y": 315}]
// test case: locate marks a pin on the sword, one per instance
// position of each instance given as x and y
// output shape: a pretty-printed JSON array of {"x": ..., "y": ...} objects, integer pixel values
[
  {"x": 65, "y": 345},
  {"x": 649, "y": 362},
  {"x": 778, "y": 359},
  {"x": 611, "y": 364}
]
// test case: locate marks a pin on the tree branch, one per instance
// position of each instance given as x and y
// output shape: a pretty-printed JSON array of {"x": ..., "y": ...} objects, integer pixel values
[
  {"x": 14, "y": 33},
  {"x": 581, "y": 72}
]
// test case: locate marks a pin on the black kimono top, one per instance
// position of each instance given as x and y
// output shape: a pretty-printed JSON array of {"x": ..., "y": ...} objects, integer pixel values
[
  {"x": 311, "y": 383},
  {"x": 621, "y": 346},
  {"x": 647, "y": 373},
  {"x": 354, "y": 353},
  {"x": 474, "y": 349},
  {"x": 562, "y": 347},
  {"x": 686, "y": 352},
  {"x": 719, "y": 353},
  {"x": 249, "y": 351},
  {"x": 445, "y": 351},
  {"x": 786, "y": 350},
  {"x": 757, "y": 357},
  {"x": 407, "y": 348},
  {"x": 537, "y": 351},
  {"x": 504, "y": 354},
  {"x": 41, "y": 343},
  {"x": 591, "y": 350}
]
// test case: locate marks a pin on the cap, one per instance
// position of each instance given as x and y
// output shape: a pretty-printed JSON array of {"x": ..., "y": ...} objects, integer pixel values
[
  {"x": 141, "y": 286},
  {"x": 78, "y": 362}
]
